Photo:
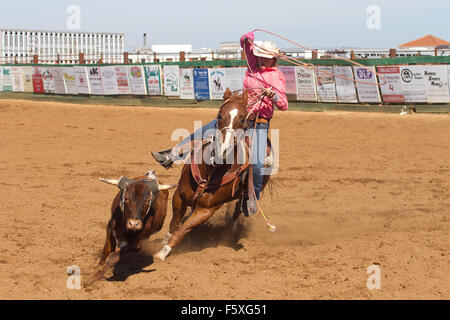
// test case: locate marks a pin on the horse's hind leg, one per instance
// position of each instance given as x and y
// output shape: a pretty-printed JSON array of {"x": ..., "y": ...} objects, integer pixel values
[{"x": 199, "y": 216}]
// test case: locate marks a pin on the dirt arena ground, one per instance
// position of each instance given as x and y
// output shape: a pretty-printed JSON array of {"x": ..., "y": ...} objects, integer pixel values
[{"x": 354, "y": 190}]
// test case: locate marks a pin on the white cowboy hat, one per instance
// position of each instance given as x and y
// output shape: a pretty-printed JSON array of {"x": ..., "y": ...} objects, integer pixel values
[{"x": 266, "y": 49}]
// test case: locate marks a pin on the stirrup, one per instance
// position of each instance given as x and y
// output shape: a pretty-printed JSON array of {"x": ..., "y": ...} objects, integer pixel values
[{"x": 244, "y": 207}]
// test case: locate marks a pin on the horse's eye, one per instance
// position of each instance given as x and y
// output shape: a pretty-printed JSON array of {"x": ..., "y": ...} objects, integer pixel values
[{"x": 219, "y": 117}]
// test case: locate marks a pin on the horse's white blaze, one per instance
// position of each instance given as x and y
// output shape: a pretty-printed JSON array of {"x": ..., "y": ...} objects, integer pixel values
[{"x": 226, "y": 144}]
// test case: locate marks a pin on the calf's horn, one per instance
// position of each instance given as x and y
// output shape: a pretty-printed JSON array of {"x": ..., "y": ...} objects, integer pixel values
[
  {"x": 110, "y": 181},
  {"x": 162, "y": 187}
]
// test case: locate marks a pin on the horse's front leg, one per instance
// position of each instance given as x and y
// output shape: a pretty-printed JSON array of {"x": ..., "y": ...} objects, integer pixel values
[{"x": 199, "y": 216}]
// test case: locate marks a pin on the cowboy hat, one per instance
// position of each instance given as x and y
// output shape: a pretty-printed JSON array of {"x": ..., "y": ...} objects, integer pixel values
[{"x": 265, "y": 49}]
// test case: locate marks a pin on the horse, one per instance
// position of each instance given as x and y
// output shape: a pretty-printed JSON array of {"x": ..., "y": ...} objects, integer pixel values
[{"x": 206, "y": 187}]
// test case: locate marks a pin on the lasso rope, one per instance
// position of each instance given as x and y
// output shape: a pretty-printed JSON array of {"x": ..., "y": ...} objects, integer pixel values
[{"x": 296, "y": 61}]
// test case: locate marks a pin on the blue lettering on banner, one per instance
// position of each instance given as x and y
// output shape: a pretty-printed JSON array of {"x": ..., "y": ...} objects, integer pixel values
[
  {"x": 201, "y": 84},
  {"x": 364, "y": 74}
]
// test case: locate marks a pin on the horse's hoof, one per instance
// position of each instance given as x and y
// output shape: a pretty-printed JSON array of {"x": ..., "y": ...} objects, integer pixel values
[
  {"x": 96, "y": 277},
  {"x": 164, "y": 252}
]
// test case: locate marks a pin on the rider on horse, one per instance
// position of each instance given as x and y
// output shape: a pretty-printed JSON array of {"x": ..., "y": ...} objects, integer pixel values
[{"x": 266, "y": 86}]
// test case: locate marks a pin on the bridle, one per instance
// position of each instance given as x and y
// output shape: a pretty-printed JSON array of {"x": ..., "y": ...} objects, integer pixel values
[{"x": 151, "y": 197}]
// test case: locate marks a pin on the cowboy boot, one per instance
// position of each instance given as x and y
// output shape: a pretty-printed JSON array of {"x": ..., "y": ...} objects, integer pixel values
[{"x": 164, "y": 158}]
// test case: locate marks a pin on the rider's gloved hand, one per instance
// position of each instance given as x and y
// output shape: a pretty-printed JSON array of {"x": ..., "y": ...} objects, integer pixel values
[
  {"x": 269, "y": 93},
  {"x": 248, "y": 36}
]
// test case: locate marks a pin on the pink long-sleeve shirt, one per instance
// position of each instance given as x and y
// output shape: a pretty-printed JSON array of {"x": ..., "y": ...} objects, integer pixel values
[{"x": 267, "y": 78}]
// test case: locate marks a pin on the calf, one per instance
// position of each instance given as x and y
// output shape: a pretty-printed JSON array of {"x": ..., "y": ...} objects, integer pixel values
[{"x": 137, "y": 211}]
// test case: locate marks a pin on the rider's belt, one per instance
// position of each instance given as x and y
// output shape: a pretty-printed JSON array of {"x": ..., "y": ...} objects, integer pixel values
[
  {"x": 262, "y": 120},
  {"x": 259, "y": 120}
]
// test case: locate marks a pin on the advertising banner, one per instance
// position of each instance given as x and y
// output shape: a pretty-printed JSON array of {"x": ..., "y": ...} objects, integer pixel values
[
  {"x": 201, "y": 84},
  {"x": 217, "y": 83},
  {"x": 187, "y": 84},
  {"x": 70, "y": 81},
  {"x": 413, "y": 83},
  {"x": 17, "y": 76},
  {"x": 58, "y": 78},
  {"x": 47, "y": 79},
  {"x": 81, "y": 80},
  {"x": 123, "y": 84},
  {"x": 345, "y": 88},
  {"x": 367, "y": 93},
  {"x": 436, "y": 83},
  {"x": 326, "y": 87},
  {"x": 7, "y": 79},
  {"x": 172, "y": 80},
  {"x": 153, "y": 79},
  {"x": 95, "y": 81},
  {"x": 137, "y": 80},
  {"x": 235, "y": 78},
  {"x": 305, "y": 81},
  {"x": 1, "y": 79},
  {"x": 289, "y": 76},
  {"x": 448, "y": 78},
  {"x": 27, "y": 79},
  {"x": 391, "y": 87},
  {"x": 109, "y": 81},
  {"x": 38, "y": 81}
]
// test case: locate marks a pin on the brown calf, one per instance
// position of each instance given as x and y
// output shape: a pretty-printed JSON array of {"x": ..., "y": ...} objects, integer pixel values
[{"x": 137, "y": 211}]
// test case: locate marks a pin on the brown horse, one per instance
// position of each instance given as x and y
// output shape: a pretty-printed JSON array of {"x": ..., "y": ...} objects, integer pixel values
[{"x": 206, "y": 187}]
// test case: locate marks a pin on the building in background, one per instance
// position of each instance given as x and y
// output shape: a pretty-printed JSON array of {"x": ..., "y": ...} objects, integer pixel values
[
  {"x": 20, "y": 46},
  {"x": 168, "y": 52},
  {"x": 426, "y": 43}
]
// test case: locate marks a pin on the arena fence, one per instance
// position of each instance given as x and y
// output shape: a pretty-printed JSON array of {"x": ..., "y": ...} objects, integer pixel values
[{"x": 414, "y": 81}]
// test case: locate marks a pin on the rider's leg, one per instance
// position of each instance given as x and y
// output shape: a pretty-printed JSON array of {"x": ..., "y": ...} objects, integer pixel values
[
  {"x": 258, "y": 150},
  {"x": 181, "y": 150},
  {"x": 258, "y": 155}
]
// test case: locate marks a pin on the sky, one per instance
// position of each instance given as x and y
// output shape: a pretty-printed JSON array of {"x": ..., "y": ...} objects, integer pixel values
[{"x": 317, "y": 23}]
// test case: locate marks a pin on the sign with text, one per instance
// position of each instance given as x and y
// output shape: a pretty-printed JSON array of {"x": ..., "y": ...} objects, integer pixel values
[
  {"x": 201, "y": 84},
  {"x": 17, "y": 77},
  {"x": 27, "y": 79},
  {"x": 413, "y": 83},
  {"x": 123, "y": 83},
  {"x": 345, "y": 86},
  {"x": 235, "y": 78},
  {"x": 81, "y": 80},
  {"x": 47, "y": 79},
  {"x": 391, "y": 87},
  {"x": 58, "y": 78},
  {"x": 38, "y": 82},
  {"x": 186, "y": 83},
  {"x": 305, "y": 81},
  {"x": 436, "y": 83},
  {"x": 95, "y": 81},
  {"x": 7, "y": 79},
  {"x": 137, "y": 80},
  {"x": 70, "y": 81},
  {"x": 326, "y": 87},
  {"x": 366, "y": 85},
  {"x": 217, "y": 83},
  {"x": 171, "y": 80},
  {"x": 153, "y": 76},
  {"x": 289, "y": 76},
  {"x": 109, "y": 81}
]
